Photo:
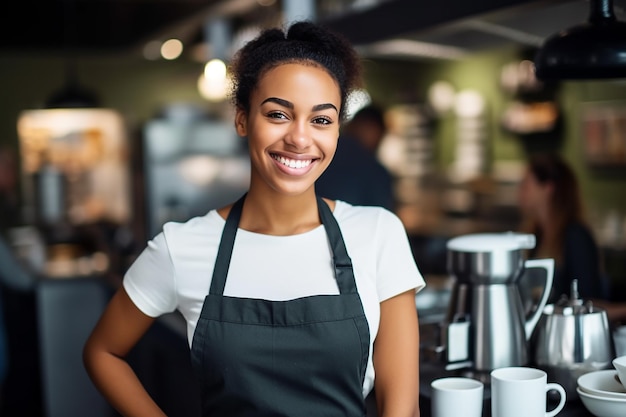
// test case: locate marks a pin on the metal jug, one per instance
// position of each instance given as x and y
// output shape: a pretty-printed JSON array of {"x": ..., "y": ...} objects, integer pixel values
[
  {"x": 572, "y": 338},
  {"x": 487, "y": 326}
]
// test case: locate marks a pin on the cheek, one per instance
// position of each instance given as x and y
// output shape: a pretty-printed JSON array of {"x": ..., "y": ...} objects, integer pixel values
[
  {"x": 330, "y": 144},
  {"x": 263, "y": 134}
]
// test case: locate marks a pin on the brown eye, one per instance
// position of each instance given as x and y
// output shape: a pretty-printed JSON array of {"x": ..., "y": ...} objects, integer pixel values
[
  {"x": 276, "y": 115},
  {"x": 322, "y": 121}
]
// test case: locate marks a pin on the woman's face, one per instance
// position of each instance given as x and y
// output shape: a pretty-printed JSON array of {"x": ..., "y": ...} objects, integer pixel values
[
  {"x": 292, "y": 127},
  {"x": 533, "y": 196}
]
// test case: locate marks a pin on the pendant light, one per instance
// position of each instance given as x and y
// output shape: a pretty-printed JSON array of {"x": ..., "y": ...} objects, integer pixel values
[
  {"x": 593, "y": 50},
  {"x": 71, "y": 95},
  {"x": 214, "y": 82}
]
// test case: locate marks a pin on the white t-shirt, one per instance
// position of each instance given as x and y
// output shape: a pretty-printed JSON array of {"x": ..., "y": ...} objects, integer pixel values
[{"x": 174, "y": 270}]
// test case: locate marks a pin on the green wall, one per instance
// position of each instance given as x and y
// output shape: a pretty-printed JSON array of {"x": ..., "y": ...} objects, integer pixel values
[{"x": 391, "y": 81}]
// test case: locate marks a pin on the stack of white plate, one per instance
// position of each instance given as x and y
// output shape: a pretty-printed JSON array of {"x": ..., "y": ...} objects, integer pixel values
[{"x": 602, "y": 393}]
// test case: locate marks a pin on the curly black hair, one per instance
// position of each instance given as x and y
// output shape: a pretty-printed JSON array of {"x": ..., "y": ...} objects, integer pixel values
[{"x": 304, "y": 42}]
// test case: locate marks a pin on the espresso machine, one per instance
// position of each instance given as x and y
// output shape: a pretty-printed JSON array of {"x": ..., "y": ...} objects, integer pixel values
[{"x": 486, "y": 325}]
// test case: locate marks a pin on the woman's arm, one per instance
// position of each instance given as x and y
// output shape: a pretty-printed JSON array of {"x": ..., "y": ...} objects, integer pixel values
[
  {"x": 396, "y": 358},
  {"x": 115, "y": 334}
]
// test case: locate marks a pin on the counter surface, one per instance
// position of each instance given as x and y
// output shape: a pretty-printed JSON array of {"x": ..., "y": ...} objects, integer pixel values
[{"x": 429, "y": 372}]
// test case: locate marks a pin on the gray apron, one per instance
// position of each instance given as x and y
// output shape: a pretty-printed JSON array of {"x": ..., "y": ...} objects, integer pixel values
[{"x": 301, "y": 357}]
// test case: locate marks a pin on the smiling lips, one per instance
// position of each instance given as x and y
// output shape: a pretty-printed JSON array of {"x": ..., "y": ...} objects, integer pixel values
[{"x": 293, "y": 163}]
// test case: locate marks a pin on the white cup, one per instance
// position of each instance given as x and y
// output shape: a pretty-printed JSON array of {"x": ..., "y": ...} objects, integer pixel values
[
  {"x": 619, "y": 339},
  {"x": 620, "y": 364},
  {"x": 456, "y": 396},
  {"x": 522, "y": 392}
]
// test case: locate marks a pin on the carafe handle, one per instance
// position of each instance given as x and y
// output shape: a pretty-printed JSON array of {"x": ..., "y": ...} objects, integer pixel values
[{"x": 548, "y": 265}]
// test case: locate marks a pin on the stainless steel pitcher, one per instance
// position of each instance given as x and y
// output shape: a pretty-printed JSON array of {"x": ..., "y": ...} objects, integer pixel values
[
  {"x": 572, "y": 338},
  {"x": 487, "y": 326}
]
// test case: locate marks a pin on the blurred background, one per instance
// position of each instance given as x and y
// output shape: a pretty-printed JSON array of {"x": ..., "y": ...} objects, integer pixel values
[{"x": 114, "y": 120}]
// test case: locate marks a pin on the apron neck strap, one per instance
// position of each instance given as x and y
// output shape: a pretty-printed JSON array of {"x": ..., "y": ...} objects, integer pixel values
[
  {"x": 344, "y": 273},
  {"x": 342, "y": 263}
]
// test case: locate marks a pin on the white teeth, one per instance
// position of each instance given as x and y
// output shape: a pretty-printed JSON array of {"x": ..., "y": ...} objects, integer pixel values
[{"x": 292, "y": 163}]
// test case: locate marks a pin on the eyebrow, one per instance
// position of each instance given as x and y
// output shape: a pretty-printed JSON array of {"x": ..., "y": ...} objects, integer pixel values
[{"x": 290, "y": 105}]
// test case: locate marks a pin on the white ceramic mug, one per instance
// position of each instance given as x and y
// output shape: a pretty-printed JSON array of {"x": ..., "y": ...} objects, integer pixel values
[
  {"x": 620, "y": 364},
  {"x": 522, "y": 392},
  {"x": 619, "y": 339},
  {"x": 456, "y": 396}
]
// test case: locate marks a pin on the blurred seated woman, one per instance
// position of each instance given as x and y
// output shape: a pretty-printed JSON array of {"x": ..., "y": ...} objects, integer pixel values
[{"x": 552, "y": 209}]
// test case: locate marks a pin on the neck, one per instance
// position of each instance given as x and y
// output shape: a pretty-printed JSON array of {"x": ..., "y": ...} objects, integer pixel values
[
  {"x": 550, "y": 245},
  {"x": 279, "y": 214},
  {"x": 544, "y": 218}
]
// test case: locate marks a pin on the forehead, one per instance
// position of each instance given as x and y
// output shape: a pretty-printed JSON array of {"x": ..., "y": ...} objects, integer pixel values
[{"x": 299, "y": 81}]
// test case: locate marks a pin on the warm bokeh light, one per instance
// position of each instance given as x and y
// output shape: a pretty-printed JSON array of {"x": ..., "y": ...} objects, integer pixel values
[
  {"x": 171, "y": 49},
  {"x": 215, "y": 69},
  {"x": 441, "y": 96},
  {"x": 152, "y": 50},
  {"x": 213, "y": 84}
]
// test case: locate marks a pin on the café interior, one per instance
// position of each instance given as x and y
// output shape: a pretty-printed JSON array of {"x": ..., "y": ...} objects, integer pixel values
[{"x": 114, "y": 120}]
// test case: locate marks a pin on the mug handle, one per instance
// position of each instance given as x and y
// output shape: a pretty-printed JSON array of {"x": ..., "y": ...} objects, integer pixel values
[{"x": 556, "y": 410}]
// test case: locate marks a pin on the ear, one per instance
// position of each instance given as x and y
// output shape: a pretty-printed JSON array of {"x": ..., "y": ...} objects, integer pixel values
[{"x": 241, "y": 119}]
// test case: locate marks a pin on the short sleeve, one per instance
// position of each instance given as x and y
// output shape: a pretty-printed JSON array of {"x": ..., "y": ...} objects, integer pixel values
[
  {"x": 150, "y": 280},
  {"x": 397, "y": 270}
]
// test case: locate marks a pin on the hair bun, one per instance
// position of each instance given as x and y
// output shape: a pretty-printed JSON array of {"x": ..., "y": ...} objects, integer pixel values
[{"x": 306, "y": 31}]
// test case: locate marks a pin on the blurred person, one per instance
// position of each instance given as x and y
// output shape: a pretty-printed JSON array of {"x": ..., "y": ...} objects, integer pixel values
[
  {"x": 9, "y": 202},
  {"x": 552, "y": 209},
  {"x": 9, "y": 210},
  {"x": 19, "y": 373},
  {"x": 356, "y": 175},
  {"x": 4, "y": 349},
  {"x": 294, "y": 304}
]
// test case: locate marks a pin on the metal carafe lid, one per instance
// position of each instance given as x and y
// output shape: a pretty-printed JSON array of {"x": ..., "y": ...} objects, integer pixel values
[
  {"x": 492, "y": 242},
  {"x": 573, "y": 305}
]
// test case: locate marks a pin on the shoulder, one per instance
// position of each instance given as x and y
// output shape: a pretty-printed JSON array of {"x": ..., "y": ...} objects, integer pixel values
[
  {"x": 578, "y": 232},
  {"x": 192, "y": 225},
  {"x": 346, "y": 210},
  {"x": 579, "y": 241},
  {"x": 193, "y": 231},
  {"x": 355, "y": 215}
]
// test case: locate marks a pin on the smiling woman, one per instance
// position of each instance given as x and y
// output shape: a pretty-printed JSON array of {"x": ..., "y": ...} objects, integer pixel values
[
  {"x": 295, "y": 305},
  {"x": 292, "y": 137}
]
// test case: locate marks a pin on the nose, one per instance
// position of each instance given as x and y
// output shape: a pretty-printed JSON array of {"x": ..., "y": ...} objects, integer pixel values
[{"x": 299, "y": 135}]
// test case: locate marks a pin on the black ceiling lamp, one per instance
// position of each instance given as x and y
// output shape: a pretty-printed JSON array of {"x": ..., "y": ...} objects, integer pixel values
[
  {"x": 71, "y": 95},
  {"x": 593, "y": 50}
]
